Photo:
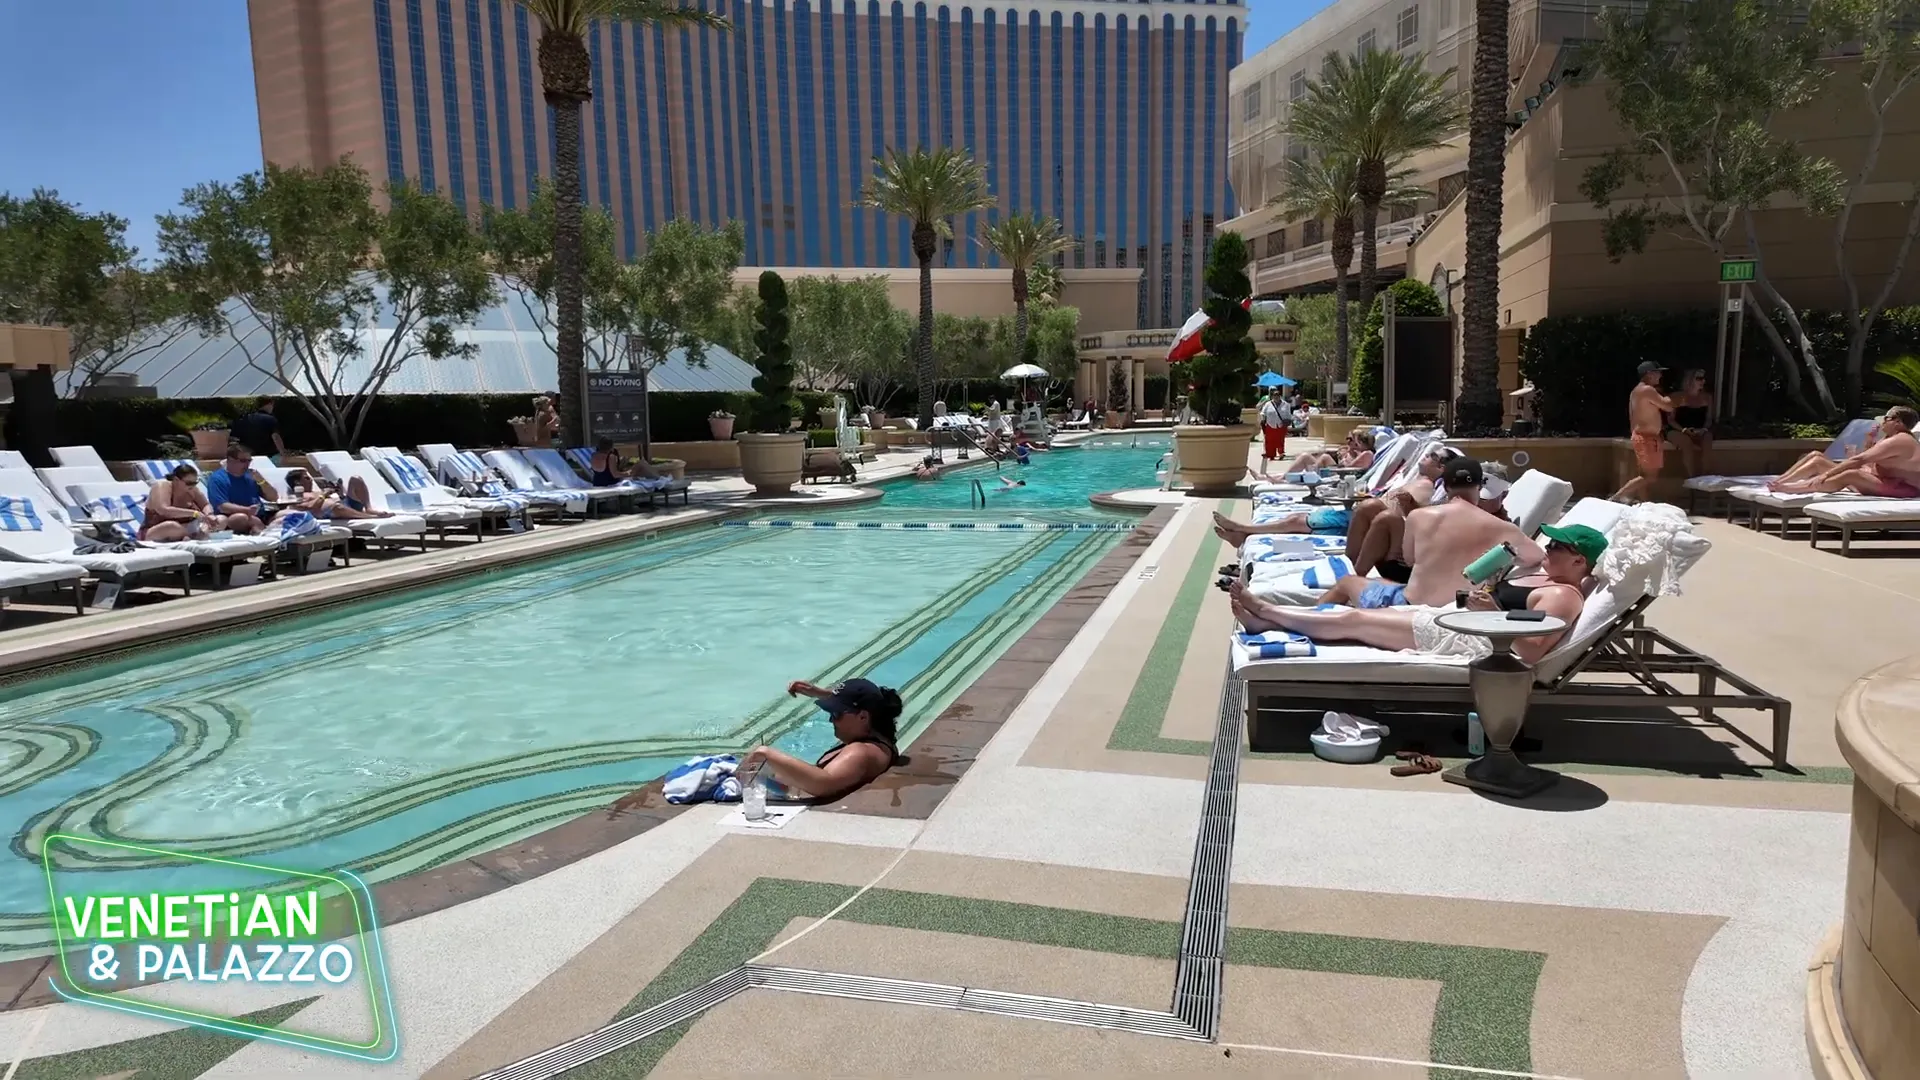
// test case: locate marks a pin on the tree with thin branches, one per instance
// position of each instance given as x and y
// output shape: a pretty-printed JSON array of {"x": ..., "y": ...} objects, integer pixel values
[
  {"x": 929, "y": 188},
  {"x": 566, "y": 82}
]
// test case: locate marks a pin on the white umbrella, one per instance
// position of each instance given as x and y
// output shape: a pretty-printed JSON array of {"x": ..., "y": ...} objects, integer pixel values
[{"x": 1024, "y": 371}]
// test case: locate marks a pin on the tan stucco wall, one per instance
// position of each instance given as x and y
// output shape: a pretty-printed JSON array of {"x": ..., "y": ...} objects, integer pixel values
[{"x": 1107, "y": 299}]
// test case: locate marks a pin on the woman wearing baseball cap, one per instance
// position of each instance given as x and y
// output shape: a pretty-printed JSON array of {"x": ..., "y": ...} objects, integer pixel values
[{"x": 865, "y": 718}]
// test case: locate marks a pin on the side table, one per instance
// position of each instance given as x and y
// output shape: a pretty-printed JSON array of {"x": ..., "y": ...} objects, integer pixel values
[{"x": 1502, "y": 683}]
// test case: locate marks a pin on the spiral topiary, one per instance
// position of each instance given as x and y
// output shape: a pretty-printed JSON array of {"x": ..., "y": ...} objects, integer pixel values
[
  {"x": 1223, "y": 375},
  {"x": 773, "y": 387}
]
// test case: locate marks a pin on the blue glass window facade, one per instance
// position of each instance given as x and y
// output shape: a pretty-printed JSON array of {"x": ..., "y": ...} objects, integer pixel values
[
  {"x": 450, "y": 102},
  {"x": 1099, "y": 141},
  {"x": 629, "y": 242},
  {"x": 523, "y": 49},
  {"x": 477, "y": 86},
  {"x": 389, "y": 88},
  {"x": 809, "y": 158},
  {"x": 503, "y": 118},
  {"x": 422, "y": 108},
  {"x": 829, "y": 115}
]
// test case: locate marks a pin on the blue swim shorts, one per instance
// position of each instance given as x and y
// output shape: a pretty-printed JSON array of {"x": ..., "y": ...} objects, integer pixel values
[
  {"x": 1328, "y": 519},
  {"x": 1383, "y": 594}
]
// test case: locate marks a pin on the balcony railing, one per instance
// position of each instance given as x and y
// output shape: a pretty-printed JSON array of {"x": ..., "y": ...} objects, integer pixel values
[{"x": 1400, "y": 232}]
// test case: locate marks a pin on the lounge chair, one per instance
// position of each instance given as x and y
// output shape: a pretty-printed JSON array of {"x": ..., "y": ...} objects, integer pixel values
[
  {"x": 465, "y": 469},
  {"x": 388, "y": 530},
  {"x": 1851, "y": 440},
  {"x": 663, "y": 489},
  {"x": 1610, "y": 639},
  {"x": 1756, "y": 504},
  {"x": 298, "y": 548},
  {"x": 17, "y": 579},
  {"x": 45, "y": 536},
  {"x": 1392, "y": 452},
  {"x": 14, "y": 459},
  {"x": 129, "y": 497},
  {"x": 340, "y": 467},
  {"x": 555, "y": 471},
  {"x": 524, "y": 479},
  {"x": 78, "y": 456},
  {"x": 1077, "y": 419},
  {"x": 61, "y": 477},
  {"x": 409, "y": 474},
  {"x": 1899, "y": 517}
]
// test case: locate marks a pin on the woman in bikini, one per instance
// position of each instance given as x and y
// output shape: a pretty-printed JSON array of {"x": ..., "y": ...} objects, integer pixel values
[
  {"x": 321, "y": 503},
  {"x": 1692, "y": 410},
  {"x": 177, "y": 509},
  {"x": 608, "y": 470}
]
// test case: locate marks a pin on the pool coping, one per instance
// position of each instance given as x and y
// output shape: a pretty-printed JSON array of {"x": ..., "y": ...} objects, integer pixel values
[{"x": 936, "y": 760}]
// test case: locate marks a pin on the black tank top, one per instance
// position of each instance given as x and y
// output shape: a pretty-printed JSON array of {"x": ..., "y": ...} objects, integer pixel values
[
  {"x": 1690, "y": 416},
  {"x": 835, "y": 749},
  {"x": 1511, "y": 597}
]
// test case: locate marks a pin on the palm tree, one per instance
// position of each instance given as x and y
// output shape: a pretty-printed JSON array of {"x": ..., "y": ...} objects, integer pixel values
[
  {"x": 1378, "y": 108},
  {"x": 1479, "y": 405},
  {"x": 1025, "y": 241},
  {"x": 566, "y": 81},
  {"x": 1324, "y": 188},
  {"x": 928, "y": 188}
]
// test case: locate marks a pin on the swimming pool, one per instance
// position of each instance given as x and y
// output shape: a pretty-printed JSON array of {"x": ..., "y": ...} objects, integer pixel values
[
  {"x": 1057, "y": 481},
  {"x": 394, "y": 735}
]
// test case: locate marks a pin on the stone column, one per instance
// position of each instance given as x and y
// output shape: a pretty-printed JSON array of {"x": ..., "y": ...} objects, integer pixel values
[{"x": 1139, "y": 380}]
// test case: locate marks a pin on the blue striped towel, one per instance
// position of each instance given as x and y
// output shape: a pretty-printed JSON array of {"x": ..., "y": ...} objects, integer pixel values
[
  {"x": 409, "y": 476},
  {"x": 18, "y": 515},
  {"x": 158, "y": 469},
  {"x": 1323, "y": 574},
  {"x": 1276, "y": 645},
  {"x": 294, "y": 524},
  {"x": 1278, "y": 498},
  {"x": 133, "y": 506},
  {"x": 710, "y": 778}
]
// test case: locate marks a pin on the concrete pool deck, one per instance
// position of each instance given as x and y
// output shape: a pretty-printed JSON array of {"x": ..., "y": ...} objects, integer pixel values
[{"x": 1658, "y": 925}]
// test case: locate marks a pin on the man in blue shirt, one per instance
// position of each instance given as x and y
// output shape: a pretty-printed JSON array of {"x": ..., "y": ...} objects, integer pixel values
[{"x": 233, "y": 492}]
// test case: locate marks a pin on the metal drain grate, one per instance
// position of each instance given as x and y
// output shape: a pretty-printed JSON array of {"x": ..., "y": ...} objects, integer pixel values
[{"x": 1198, "y": 977}]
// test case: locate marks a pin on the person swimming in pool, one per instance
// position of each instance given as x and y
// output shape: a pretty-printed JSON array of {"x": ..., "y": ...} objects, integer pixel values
[{"x": 1010, "y": 482}]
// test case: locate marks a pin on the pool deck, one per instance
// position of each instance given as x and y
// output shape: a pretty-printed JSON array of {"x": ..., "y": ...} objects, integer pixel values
[{"x": 1653, "y": 916}]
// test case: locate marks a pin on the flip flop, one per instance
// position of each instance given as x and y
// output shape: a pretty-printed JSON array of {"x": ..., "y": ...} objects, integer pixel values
[{"x": 1419, "y": 765}]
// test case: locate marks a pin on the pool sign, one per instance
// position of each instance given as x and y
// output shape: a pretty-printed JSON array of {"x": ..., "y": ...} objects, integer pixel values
[
  {"x": 147, "y": 944},
  {"x": 1735, "y": 271}
]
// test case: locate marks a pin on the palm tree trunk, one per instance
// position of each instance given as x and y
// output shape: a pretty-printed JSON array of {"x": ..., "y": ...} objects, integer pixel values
[
  {"x": 1342, "y": 252},
  {"x": 923, "y": 346},
  {"x": 1479, "y": 405},
  {"x": 1020, "y": 312},
  {"x": 566, "y": 75},
  {"x": 1369, "y": 258}
]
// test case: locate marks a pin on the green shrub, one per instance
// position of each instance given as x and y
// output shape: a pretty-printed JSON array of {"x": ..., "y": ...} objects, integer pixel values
[
  {"x": 1412, "y": 299},
  {"x": 1223, "y": 375},
  {"x": 822, "y": 437},
  {"x": 1155, "y": 392},
  {"x": 773, "y": 407}
]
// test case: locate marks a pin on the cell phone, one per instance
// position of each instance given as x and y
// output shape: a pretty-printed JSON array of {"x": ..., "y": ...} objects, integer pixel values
[{"x": 1526, "y": 616}]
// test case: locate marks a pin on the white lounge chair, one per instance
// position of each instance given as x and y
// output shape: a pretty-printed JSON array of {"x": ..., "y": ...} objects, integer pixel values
[
  {"x": 72, "y": 456},
  {"x": 526, "y": 480},
  {"x": 465, "y": 468},
  {"x": 1610, "y": 639},
  {"x": 554, "y": 470},
  {"x": 46, "y": 536},
  {"x": 61, "y": 477},
  {"x": 18, "y": 579},
  {"x": 663, "y": 489},
  {"x": 130, "y": 497},
  {"x": 1848, "y": 517},
  {"x": 409, "y": 474},
  {"x": 387, "y": 530},
  {"x": 1851, "y": 440},
  {"x": 14, "y": 459},
  {"x": 339, "y": 466}
]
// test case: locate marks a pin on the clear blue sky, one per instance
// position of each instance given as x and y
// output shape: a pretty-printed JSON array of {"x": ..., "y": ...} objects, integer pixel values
[{"x": 120, "y": 105}]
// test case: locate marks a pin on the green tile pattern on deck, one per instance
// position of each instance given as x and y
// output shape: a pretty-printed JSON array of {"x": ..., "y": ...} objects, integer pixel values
[
  {"x": 1144, "y": 715},
  {"x": 170, "y": 1055},
  {"x": 1483, "y": 1018}
]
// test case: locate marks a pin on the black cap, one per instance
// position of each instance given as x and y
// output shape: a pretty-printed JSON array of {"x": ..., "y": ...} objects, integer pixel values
[
  {"x": 1462, "y": 472},
  {"x": 1648, "y": 367},
  {"x": 855, "y": 695}
]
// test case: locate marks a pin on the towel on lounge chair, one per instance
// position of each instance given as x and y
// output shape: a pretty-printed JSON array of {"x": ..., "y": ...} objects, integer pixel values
[
  {"x": 293, "y": 524},
  {"x": 155, "y": 470},
  {"x": 1325, "y": 573},
  {"x": 1641, "y": 549},
  {"x": 17, "y": 514},
  {"x": 108, "y": 506},
  {"x": 1276, "y": 644}
]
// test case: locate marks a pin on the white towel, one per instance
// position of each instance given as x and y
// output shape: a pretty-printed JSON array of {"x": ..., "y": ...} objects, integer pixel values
[{"x": 1346, "y": 728}]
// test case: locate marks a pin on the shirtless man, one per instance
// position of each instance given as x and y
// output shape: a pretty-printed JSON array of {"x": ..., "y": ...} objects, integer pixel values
[
  {"x": 1374, "y": 538},
  {"x": 1647, "y": 408},
  {"x": 1889, "y": 469},
  {"x": 1440, "y": 542},
  {"x": 1334, "y": 520}
]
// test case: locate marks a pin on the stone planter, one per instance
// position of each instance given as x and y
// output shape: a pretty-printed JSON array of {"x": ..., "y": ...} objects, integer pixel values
[
  {"x": 721, "y": 427},
  {"x": 210, "y": 444},
  {"x": 1117, "y": 419},
  {"x": 1213, "y": 459},
  {"x": 772, "y": 463},
  {"x": 672, "y": 468},
  {"x": 526, "y": 433}
]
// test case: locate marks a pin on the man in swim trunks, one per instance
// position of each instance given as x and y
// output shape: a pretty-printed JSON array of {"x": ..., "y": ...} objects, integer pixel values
[
  {"x": 1439, "y": 543},
  {"x": 1647, "y": 409},
  {"x": 1889, "y": 469}
]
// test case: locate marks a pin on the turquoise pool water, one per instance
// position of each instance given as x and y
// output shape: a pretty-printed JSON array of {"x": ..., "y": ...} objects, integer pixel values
[
  {"x": 1056, "y": 480},
  {"x": 394, "y": 735}
]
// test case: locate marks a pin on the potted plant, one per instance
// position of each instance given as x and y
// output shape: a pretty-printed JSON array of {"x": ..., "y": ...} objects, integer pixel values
[
  {"x": 1213, "y": 454},
  {"x": 1117, "y": 396},
  {"x": 209, "y": 433},
  {"x": 772, "y": 455},
  {"x": 720, "y": 424}
]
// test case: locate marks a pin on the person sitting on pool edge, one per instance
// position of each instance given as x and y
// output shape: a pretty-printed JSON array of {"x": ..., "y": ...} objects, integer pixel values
[{"x": 866, "y": 718}]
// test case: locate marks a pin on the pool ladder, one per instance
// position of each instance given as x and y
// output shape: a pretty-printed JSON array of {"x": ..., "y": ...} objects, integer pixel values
[{"x": 978, "y": 496}]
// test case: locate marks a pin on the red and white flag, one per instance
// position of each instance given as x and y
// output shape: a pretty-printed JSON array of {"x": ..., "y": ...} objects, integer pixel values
[{"x": 1187, "y": 345}]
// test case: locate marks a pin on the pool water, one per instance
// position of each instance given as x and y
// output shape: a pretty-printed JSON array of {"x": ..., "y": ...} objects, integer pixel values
[
  {"x": 1056, "y": 480},
  {"x": 394, "y": 735}
]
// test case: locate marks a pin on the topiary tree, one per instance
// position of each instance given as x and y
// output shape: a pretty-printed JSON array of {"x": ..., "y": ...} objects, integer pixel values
[
  {"x": 773, "y": 404},
  {"x": 1411, "y": 299},
  {"x": 1118, "y": 390},
  {"x": 1222, "y": 376}
]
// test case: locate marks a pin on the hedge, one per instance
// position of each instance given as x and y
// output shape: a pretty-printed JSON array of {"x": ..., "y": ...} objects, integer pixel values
[{"x": 127, "y": 428}]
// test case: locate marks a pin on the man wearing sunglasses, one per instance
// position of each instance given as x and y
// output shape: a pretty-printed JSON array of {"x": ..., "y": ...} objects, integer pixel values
[{"x": 233, "y": 492}]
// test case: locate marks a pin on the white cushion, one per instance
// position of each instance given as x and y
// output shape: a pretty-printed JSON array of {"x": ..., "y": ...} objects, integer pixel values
[
  {"x": 13, "y": 459},
  {"x": 1780, "y": 500},
  {"x": 171, "y": 556},
  {"x": 20, "y": 575},
  {"x": 385, "y": 528},
  {"x": 1866, "y": 510},
  {"x": 61, "y": 481},
  {"x": 1718, "y": 484},
  {"x": 1535, "y": 499},
  {"x": 1353, "y": 663},
  {"x": 78, "y": 456}
]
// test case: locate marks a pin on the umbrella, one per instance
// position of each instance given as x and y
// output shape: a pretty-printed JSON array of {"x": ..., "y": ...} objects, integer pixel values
[
  {"x": 1024, "y": 371},
  {"x": 1272, "y": 378}
]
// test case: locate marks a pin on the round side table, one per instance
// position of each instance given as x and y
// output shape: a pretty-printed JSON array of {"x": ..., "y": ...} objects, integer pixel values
[{"x": 1501, "y": 683}]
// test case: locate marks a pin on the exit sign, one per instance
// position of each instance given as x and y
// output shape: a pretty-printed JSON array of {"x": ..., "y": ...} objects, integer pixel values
[{"x": 1737, "y": 270}]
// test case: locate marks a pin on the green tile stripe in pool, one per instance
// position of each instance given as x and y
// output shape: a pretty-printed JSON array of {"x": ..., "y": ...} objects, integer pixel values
[{"x": 394, "y": 735}]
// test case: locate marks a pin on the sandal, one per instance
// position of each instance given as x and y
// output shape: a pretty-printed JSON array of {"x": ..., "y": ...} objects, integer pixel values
[{"x": 1418, "y": 765}]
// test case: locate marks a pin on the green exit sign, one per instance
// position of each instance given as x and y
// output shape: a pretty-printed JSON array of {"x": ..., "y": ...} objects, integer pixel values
[{"x": 1736, "y": 270}]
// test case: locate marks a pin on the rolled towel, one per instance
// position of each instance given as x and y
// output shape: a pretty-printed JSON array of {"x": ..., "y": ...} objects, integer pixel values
[
  {"x": 1276, "y": 644},
  {"x": 1326, "y": 572}
]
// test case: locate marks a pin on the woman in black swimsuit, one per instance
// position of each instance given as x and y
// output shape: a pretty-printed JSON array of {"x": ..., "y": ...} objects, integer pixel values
[
  {"x": 865, "y": 718},
  {"x": 605, "y": 467},
  {"x": 1691, "y": 408}
]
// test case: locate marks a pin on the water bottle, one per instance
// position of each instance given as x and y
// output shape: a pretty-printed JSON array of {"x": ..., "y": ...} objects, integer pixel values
[
  {"x": 753, "y": 801},
  {"x": 1476, "y": 736}
]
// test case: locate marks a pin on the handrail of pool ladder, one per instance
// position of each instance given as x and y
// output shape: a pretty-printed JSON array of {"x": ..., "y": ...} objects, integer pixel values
[
  {"x": 1171, "y": 459},
  {"x": 978, "y": 492}
]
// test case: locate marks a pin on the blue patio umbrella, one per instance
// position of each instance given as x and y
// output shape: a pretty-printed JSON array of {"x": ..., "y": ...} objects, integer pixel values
[{"x": 1272, "y": 378}]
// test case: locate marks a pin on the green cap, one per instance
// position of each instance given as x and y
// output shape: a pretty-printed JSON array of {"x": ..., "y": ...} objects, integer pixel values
[{"x": 1582, "y": 538}]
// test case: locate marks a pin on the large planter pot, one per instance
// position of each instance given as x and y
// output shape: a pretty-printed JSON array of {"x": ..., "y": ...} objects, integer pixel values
[
  {"x": 1117, "y": 419},
  {"x": 1213, "y": 459},
  {"x": 721, "y": 427},
  {"x": 772, "y": 463},
  {"x": 526, "y": 433},
  {"x": 210, "y": 444},
  {"x": 672, "y": 468}
]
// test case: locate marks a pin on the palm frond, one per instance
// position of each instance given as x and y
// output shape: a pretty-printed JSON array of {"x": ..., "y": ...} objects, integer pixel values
[
  {"x": 927, "y": 187},
  {"x": 575, "y": 16},
  {"x": 1904, "y": 372},
  {"x": 1026, "y": 240},
  {"x": 1378, "y": 107}
]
